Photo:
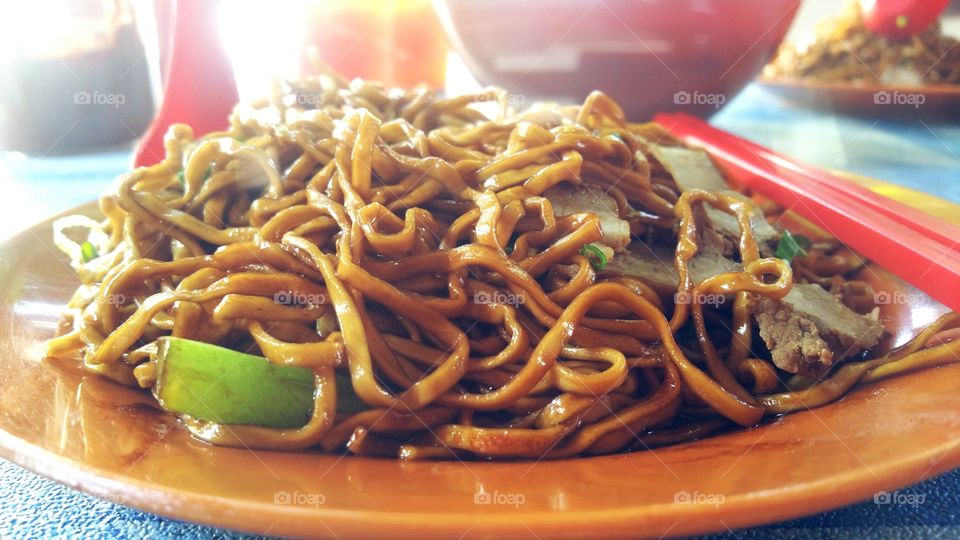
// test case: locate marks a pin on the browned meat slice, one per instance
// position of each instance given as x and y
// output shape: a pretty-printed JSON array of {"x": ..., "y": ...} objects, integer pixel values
[
  {"x": 654, "y": 266},
  {"x": 690, "y": 168},
  {"x": 719, "y": 231},
  {"x": 570, "y": 199},
  {"x": 809, "y": 330}
]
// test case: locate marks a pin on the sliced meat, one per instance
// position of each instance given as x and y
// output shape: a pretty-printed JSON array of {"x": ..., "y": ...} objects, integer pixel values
[
  {"x": 654, "y": 266},
  {"x": 719, "y": 231},
  {"x": 690, "y": 168},
  {"x": 570, "y": 199},
  {"x": 809, "y": 330}
]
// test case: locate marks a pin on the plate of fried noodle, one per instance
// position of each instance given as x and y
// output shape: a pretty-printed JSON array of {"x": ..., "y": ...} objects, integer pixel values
[{"x": 362, "y": 310}]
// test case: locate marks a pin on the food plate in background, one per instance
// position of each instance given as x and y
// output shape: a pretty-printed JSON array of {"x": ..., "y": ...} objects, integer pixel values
[
  {"x": 875, "y": 101},
  {"x": 111, "y": 442}
]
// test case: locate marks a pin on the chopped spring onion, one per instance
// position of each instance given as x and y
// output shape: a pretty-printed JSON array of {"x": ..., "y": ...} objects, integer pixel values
[
  {"x": 792, "y": 245},
  {"x": 221, "y": 385},
  {"x": 596, "y": 256},
  {"x": 88, "y": 252}
]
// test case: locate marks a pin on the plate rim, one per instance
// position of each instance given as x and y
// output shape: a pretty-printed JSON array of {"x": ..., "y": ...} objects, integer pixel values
[
  {"x": 846, "y": 488},
  {"x": 937, "y": 89}
]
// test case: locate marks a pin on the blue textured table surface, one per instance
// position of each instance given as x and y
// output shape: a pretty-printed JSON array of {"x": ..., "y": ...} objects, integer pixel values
[{"x": 923, "y": 155}]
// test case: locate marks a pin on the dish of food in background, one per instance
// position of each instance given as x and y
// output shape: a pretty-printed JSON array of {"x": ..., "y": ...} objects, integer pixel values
[{"x": 882, "y": 58}]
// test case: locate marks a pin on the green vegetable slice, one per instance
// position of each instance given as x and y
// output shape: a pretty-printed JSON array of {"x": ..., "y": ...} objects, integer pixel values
[
  {"x": 88, "y": 252},
  {"x": 792, "y": 245},
  {"x": 598, "y": 259},
  {"x": 225, "y": 386}
]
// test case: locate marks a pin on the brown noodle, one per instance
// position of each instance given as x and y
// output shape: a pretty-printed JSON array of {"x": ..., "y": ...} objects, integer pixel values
[{"x": 395, "y": 211}]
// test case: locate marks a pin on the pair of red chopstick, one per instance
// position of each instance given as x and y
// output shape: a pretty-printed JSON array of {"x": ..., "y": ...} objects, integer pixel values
[{"x": 919, "y": 248}]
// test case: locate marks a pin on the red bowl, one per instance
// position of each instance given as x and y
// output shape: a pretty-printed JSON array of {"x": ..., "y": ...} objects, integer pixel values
[{"x": 650, "y": 55}]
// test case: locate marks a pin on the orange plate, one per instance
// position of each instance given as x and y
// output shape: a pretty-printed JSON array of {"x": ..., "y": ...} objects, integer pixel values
[
  {"x": 108, "y": 441},
  {"x": 875, "y": 100}
]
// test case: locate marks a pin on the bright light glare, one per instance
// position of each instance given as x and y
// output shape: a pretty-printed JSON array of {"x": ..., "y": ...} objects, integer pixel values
[
  {"x": 459, "y": 80},
  {"x": 263, "y": 41},
  {"x": 36, "y": 28}
]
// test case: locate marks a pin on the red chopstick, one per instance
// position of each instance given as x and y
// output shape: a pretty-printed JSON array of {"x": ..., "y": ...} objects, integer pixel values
[
  {"x": 200, "y": 89},
  {"x": 945, "y": 233},
  {"x": 914, "y": 246}
]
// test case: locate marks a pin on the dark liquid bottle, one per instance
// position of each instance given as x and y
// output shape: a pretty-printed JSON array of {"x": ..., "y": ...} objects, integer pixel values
[{"x": 81, "y": 92}]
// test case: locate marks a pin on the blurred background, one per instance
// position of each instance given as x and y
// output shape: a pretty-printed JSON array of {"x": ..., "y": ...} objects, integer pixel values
[
  {"x": 82, "y": 80},
  {"x": 79, "y": 75}
]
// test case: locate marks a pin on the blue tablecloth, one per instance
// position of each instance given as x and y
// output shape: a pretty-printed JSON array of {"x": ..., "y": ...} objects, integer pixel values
[{"x": 921, "y": 154}]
